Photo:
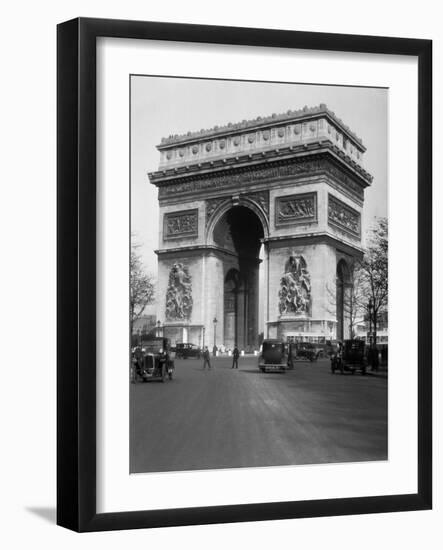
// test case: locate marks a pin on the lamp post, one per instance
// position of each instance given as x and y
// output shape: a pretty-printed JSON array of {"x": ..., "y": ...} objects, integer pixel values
[{"x": 215, "y": 334}]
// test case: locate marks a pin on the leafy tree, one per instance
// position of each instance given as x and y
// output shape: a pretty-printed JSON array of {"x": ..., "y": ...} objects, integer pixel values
[{"x": 142, "y": 286}]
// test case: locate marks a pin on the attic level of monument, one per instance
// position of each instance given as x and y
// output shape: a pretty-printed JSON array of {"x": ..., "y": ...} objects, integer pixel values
[
  {"x": 276, "y": 142},
  {"x": 290, "y": 116}
]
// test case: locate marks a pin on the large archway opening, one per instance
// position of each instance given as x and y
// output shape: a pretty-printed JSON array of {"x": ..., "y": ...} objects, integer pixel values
[
  {"x": 343, "y": 301},
  {"x": 239, "y": 232}
]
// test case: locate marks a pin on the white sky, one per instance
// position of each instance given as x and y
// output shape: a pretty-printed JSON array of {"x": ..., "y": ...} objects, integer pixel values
[{"x": 162, "y": 106}]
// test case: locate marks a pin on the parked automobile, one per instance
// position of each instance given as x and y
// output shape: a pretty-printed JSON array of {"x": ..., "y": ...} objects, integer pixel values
[
  {"x": 306, "y": 351},
  {"x": 276, "y": 356},
  {"x": 331, "y": 347},
  {"x": 153, "y": 361},
  {"x": 184, "y": 351},
  {"x": 350, "y": 357}
]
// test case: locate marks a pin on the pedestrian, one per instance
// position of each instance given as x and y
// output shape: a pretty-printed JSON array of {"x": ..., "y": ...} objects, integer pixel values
[
  {"x": 206, "y": 358},
  {"x": 214, "y": 350},
  {"x": 235, "y": 357}
]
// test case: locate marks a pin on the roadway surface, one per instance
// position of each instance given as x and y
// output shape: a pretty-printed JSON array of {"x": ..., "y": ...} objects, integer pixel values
[{"x": 226, "y": 418}]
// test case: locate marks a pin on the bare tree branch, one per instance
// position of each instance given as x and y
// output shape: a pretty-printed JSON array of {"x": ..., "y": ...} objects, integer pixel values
[{"x": 141, "y": 283}]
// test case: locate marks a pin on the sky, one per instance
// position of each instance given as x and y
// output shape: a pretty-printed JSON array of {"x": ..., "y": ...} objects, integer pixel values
[{"x": 161, "y": 106}]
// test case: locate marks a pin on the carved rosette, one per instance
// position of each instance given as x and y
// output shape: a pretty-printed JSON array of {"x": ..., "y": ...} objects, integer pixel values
[
  {"x": 181, "y": 224},
  {"x": 295, "y": 288},
  {"x": 343, "y": 217},
  {"x": 300, "y": 208},
  {"x": 179, "y": 294}
]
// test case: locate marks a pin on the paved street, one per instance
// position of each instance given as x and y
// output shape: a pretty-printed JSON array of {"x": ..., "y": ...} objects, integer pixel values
[{"x": 227, "y": 418}]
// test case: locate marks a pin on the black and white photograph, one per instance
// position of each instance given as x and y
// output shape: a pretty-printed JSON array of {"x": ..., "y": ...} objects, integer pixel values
[
  {"x": 258, "y": 300},
  {"x": 221, "y": 300}
]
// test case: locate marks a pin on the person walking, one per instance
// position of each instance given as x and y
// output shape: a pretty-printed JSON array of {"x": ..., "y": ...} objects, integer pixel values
[
  {"x": 235, "y": 356},
  {"x": 206, "y": 358}
]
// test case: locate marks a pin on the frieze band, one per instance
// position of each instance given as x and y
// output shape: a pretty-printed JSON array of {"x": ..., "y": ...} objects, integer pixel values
[{"x": 252, "y": 175}]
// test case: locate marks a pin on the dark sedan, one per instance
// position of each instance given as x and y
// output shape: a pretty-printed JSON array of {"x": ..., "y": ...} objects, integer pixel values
[{"x": 183, "y": 351}]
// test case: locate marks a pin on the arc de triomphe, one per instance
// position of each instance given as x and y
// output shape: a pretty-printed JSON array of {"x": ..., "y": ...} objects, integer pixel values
[{"x": 284, "y": 192}]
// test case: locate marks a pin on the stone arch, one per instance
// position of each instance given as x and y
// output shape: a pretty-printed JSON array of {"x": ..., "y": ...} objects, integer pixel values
[
  {"x": 236, "y": 234},
  {"x": 343, "y": 297},
  {"x": 229, "y": 203},
  {"x": 232, "y": 290}
]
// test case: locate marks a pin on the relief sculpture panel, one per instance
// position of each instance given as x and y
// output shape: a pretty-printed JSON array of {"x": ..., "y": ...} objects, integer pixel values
[
  {"x": 179, "y": 294},
  {"x": 300, "y": 208},
  {"x": 343, "y": 216},
  {"x": 180, "y": 224},
  {"x": 295, "y": 288},
  {"x": 195, "y": 184}
]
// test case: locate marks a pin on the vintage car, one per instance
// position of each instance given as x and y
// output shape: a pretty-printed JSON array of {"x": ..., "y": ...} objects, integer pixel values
[
  {"x": 153, "y": 361},
  {"x": 306, "y": 351},
  {"x": 184, "y": 351},
  {"x": 275, "y": 356},
  {"x": 331, "y": 347},
  {"x": 350, "y": 357}
]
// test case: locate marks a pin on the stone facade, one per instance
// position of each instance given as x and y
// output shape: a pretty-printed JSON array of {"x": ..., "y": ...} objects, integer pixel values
[{"x": 293, "y": 183}]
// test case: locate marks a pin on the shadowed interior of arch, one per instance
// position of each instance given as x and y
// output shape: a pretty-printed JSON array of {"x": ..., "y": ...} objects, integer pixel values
[
  {"x": 343, "y": 299},
  {"x": 239, "y": 232}
]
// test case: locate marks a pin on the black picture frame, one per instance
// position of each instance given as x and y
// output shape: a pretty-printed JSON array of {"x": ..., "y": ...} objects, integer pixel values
[{"x": 76, "y": 265}]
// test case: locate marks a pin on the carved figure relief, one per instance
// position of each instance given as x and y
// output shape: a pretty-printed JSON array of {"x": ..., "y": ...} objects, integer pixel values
[
  {"x": 179, "y": 294},
  {"x": 343, "y": 216},
  {"x": 261, "y": 198},
  {"x": 295, "y": 288},
  {"x": 301, "y": 208},
  {"x": 181, "y": 224},
  {"x": 229, "y": 180},
  {"x": 212, "y": 205}
]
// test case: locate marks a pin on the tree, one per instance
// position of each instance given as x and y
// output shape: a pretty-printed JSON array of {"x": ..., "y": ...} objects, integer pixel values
[
  {"x": 365, "y": 292},
  {"x": 353, "y": 299},
  {"x": 374, "y": 273},
  {"x": 142, "y": 286}
]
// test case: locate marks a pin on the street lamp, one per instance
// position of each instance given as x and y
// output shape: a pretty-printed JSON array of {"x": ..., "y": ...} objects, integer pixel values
[{"x": 215, "y": 332}]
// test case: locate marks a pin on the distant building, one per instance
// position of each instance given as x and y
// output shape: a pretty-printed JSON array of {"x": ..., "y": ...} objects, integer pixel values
[
  {"x": 144, "y": 324},
  {"x": 362, "y": 328}
]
